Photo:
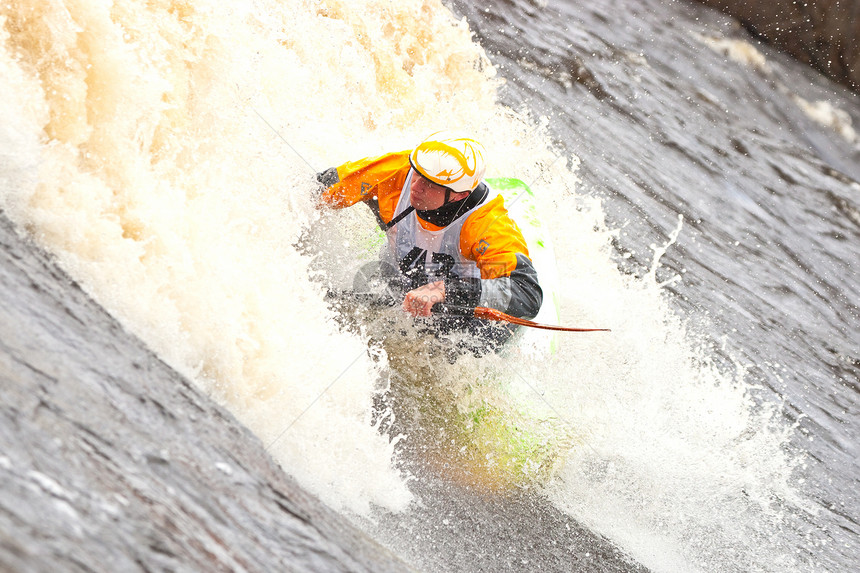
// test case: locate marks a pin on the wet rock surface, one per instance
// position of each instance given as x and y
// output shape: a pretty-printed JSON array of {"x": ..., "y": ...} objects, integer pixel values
[
  {"x": 824, "y": 34},
  {"x": 112, "y": 461}
]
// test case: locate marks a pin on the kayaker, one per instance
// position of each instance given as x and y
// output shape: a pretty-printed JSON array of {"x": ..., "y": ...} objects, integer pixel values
[{"x": 450, "y": 238}]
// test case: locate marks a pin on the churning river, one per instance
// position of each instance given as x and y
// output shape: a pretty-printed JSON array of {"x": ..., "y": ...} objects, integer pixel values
[{"x": 702, "y": 195}]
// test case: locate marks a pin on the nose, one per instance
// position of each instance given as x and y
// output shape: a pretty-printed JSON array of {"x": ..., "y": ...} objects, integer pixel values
[{"x": 420, "y": 184}]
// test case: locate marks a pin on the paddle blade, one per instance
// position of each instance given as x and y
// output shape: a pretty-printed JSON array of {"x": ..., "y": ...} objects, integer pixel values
[{"x": 497, "y": 315}]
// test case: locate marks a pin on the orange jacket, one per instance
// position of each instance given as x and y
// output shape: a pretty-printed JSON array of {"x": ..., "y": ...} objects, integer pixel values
[{"x": 489, "y": 237}]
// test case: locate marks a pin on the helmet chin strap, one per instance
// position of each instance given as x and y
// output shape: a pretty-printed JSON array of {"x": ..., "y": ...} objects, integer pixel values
[{"x": 448, "y": 211}]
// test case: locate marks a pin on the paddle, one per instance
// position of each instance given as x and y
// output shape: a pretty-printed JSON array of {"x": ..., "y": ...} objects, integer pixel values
[
  {"x": 481, "y": 312},
  {"x": 499, "y": 316}
]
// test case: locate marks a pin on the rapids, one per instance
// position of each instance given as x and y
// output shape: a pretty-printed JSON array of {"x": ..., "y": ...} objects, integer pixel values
[{"x": 702, "y": 195}]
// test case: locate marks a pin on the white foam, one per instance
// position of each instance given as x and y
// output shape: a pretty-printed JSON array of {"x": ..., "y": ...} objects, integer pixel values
[{"x": 677, "y": 464}]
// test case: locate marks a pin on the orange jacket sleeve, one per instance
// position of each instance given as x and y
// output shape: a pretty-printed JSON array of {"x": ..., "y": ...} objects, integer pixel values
[
  {"x": 492, "y": 239},
  {"x": 508, "y": 280},
  {"x": 380, "y": 178}
]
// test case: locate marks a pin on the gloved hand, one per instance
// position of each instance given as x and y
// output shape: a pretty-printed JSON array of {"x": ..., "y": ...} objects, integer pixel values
[{"x": 328, "y": 177}]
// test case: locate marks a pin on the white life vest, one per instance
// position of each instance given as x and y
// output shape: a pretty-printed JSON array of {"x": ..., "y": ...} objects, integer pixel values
[{"x": 437, "y": 253}]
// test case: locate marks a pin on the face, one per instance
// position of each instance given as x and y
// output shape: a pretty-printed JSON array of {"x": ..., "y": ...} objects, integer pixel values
[{"x": 424, "y": 194}]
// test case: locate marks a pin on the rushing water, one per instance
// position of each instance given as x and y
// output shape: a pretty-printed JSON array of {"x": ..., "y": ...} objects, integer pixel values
[
  {"x": 702, "y": 196},
  {"x": 673, "y": 112}
]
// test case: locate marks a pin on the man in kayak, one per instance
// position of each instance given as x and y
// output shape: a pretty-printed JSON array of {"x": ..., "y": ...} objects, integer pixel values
[{"x": 450, "y": 239}]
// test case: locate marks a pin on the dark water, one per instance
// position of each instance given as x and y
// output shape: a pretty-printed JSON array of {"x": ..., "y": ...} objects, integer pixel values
[{"x": 770, "y": 250}]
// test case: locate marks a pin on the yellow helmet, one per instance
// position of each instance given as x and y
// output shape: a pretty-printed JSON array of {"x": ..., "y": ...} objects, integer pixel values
[{"x": 450, "y": 159}]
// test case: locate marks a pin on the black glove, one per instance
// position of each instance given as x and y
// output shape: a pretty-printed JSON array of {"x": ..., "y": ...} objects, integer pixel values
[{"x": 328, "y": 177}]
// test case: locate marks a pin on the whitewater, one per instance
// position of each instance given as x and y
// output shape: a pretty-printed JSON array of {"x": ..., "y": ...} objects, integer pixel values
[{"x": 165, "y": 153}]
